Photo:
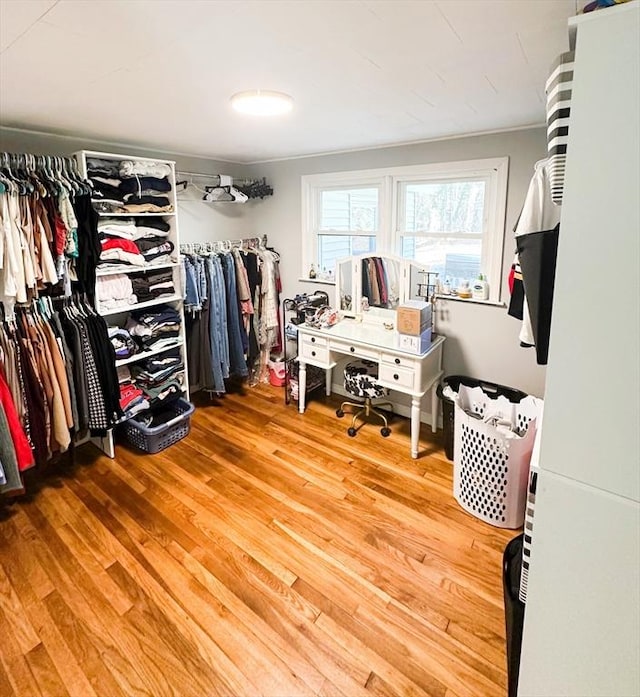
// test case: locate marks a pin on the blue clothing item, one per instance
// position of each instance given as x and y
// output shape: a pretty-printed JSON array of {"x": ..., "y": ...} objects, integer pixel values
[
  {"x": 238, "y": 363},
  {"x": 214, "y": 328},
  {"x": 192, "y": 299},
  {"x": 219, "y": 314}
]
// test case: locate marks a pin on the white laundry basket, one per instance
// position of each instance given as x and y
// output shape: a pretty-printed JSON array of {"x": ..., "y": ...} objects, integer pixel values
[{"x": 491, "y": 462}]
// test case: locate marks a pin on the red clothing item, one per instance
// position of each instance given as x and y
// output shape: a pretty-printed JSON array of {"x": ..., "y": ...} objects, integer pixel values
[
  {"x": 120, "y": 243},
  {"x": 24, "y": 456}
]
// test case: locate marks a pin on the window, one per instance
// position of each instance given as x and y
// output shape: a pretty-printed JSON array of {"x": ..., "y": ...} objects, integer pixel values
[
  {"x": 344, "y": 220},
  {"x": 447, "y": 217}
]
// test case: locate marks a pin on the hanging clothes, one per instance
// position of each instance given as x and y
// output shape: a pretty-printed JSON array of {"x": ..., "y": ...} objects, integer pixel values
[
  {"x": 48, "y": 231},
  {"x": 376, "y": 286},
  {"x": 231, "y": 305},
  {"x": 539, "y": 215},
  {"x": 57, "y": 381}
]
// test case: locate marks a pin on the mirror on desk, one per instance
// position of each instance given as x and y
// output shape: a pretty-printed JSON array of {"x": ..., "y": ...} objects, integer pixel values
[{"x": 385, "y": 281}]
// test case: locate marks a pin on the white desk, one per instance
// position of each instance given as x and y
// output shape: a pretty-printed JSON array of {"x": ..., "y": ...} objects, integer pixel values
[{"x": 398, "y": 370}]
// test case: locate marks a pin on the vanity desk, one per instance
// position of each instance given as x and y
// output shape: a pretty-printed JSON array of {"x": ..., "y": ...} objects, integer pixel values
[{"x": 366, "y": 337}]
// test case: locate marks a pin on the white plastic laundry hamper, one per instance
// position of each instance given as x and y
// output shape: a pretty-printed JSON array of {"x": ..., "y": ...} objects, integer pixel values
[{"x": 491, "y": 462}]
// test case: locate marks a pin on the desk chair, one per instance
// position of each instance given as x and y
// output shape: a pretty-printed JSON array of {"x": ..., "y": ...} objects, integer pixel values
[{"x": 361, "y": 380}]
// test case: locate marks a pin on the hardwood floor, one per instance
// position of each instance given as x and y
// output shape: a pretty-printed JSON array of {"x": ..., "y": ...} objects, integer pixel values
[{"x": 265, "y": 554}]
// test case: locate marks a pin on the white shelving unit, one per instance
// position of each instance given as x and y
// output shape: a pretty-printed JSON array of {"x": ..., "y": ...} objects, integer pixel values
[{"x": 118, "y": 316}]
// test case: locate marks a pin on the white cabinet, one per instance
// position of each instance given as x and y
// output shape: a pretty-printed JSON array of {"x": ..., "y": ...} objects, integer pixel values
[
  {"x": 592, "y": 403},
  {"x": 117, "y": 316},
  {"x": 582, "y": 620}
]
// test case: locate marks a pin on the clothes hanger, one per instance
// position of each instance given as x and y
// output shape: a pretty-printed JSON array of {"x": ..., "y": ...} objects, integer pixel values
[{"x": 10, "y": 179}]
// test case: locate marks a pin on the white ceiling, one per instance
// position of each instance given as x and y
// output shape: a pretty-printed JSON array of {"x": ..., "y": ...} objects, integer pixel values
[{"x": 363, "y": 73}]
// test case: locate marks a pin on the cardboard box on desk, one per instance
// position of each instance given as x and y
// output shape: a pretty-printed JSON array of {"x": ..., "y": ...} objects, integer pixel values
[
  {"x": 413, "y": 317},
  {"x": 415, "y": 344}
]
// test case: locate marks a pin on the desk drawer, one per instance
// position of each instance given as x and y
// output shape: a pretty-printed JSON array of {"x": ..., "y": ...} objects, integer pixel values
[
  {"x": 394, "y": 360},
  {"x": 317, "y": 354},
  {"x": 314, "y": 340},
  {"x": 355, "y": 350},
  {"x": 396, "y": 375}
]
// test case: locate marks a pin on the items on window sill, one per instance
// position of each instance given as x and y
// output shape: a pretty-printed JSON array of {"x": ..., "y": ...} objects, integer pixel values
[
  {"x": 312, "y": 271},
  {"x": 480, "y": 289},
  {"x": 464, "y": 290}
]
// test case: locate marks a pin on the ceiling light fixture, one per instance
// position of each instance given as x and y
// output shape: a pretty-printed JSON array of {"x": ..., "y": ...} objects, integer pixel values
[{"x": 262, "y": 103}]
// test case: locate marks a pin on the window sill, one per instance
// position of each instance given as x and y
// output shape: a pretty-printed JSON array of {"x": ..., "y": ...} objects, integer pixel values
[
  {"x": 321, "y": 281},
  {"x": 471, "y": 301}
]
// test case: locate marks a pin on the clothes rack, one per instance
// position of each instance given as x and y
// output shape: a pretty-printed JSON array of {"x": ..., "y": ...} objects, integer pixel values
[
  {"x": 58, "y": 383},
  {"x": 231, "y": 290},
  {"x": 48, "y": 229}
]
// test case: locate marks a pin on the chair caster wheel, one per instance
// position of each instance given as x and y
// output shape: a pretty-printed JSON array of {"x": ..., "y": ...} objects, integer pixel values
[
  {"x": 351, "y": 432},
  {"x": 385, "y": 432},
  {"x": 339, "y": 413}
]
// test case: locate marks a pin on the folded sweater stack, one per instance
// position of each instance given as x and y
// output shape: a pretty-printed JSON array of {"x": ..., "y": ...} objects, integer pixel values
[
  {"x": 130, "y": 186},
  {"x": 151, "y": 286},
  {"x": 132, "y": 399},
  {"x": 115, "y": 291},
  {"x": 154, "y": 328}
]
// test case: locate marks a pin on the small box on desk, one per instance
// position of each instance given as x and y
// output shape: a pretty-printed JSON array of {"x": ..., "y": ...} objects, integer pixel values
[
  {"x": 415, "y": 344},
  {"x": 413, "y": 317}
]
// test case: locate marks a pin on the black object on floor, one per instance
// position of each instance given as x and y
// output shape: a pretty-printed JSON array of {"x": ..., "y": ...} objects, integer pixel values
[{"x": 513, "y": 609}]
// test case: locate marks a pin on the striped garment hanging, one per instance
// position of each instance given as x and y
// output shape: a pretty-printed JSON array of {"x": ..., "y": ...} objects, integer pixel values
[{"x": 558, "y": 89}]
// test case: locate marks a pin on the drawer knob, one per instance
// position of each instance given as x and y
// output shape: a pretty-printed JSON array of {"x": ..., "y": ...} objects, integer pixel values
[
  {"x": 397, "y": 361},
  {"x": 352, "y": 350},
  {"x": 313, "y": 339},
  {"x": 313, "y": 353},
  {"x": 396, "y": 377}
]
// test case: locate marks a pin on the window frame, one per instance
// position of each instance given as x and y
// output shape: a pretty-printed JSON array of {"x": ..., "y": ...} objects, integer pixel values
[
  {"x": 312, "y": 188},
  {"x": 494, "y": 172},
  {"x": 389, "y": 180}
]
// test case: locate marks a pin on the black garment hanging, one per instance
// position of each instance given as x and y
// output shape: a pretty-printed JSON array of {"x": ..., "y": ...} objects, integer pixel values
[
  {"x": 89, "y": 248},
  {"x": 537, "y": 252},
  {"x": 250, "y": 262}
]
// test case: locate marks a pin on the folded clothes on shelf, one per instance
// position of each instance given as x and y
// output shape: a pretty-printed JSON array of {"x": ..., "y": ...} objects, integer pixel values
[
  {"x": 129, "y": 168},
  {"x": 146, "y": 208},
  {"x": 159, "y": 200},
  {"x": 151, "y": 227},
  {"x": 117, "y": 227},
  {"x": 122, "y": 343},
  {"x": 150, "y": 286},
  {"x": 137, "y": 184},
  {"x": 155, "y": 250},
  {"x": 115, "y": 291},
  {"x": 155, "y": 327},
  {"x": 105, "y": 189},
  {"x": 132, "y": 400},
  {"x": 146, "y": 377},
  {"x": 117, "y": 249},
  {"x": 124, "y": 374},
  {"x": 103, "y": 167},
  {"x": 166, "y": 392}
]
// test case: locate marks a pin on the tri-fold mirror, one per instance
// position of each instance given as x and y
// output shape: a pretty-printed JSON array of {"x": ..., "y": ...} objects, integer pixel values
[{"x": 377, "y": 281}]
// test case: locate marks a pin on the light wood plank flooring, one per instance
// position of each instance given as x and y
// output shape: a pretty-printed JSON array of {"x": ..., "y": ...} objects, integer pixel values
[{"x": 265, "y": 554}]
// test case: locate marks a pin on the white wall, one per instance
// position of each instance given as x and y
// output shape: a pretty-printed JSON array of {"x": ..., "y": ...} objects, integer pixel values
[
  {"x": 582, "y": 619},
  {"x": 482, "y": 341}
]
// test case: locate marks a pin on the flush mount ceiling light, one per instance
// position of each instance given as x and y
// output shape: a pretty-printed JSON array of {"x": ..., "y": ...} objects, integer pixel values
[{"x": 262, "y": 102}]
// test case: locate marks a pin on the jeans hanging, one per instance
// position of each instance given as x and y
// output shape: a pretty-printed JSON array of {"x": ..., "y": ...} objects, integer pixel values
[
  {"x": 215, "y": 325},
  {"x": 237, "y": 360}
]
